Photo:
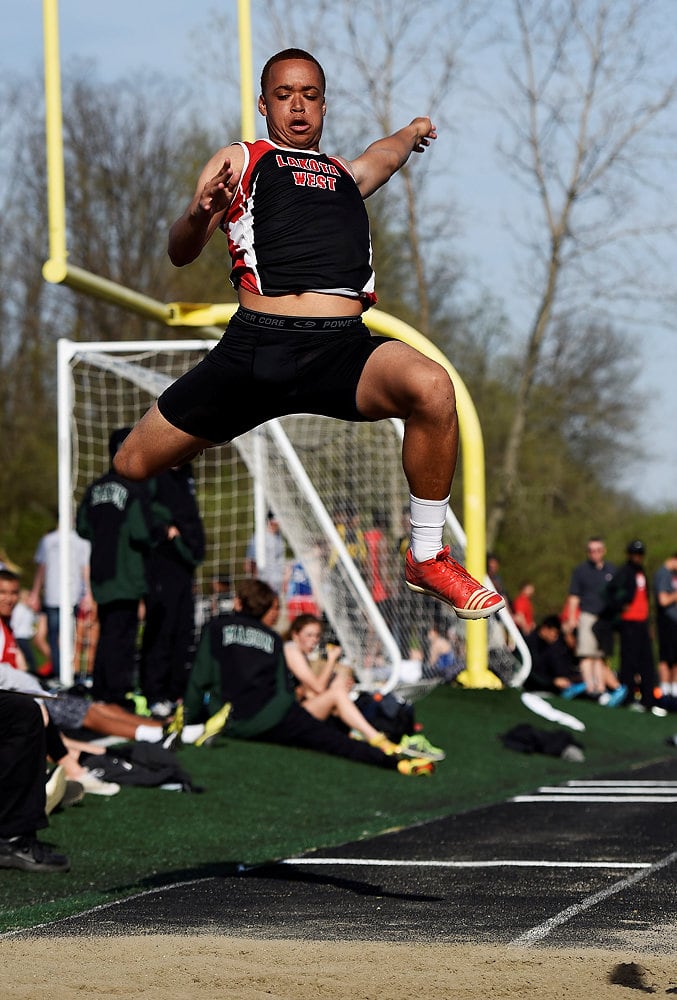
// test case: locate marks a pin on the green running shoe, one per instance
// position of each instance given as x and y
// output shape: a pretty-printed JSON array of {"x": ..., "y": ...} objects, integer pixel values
[{"x": 418, "y": 746}]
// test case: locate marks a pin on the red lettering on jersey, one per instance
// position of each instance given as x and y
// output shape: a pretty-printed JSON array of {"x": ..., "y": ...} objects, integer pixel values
[{"x": 299, "y": 178}]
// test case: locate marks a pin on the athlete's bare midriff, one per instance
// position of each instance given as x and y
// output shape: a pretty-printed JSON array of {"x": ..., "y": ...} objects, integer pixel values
[{"x": 303, "y": 304}]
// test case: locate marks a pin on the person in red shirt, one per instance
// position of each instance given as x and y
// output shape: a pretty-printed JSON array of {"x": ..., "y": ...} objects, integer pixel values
[
  {"x": 523, "y": 608},
  {"x": 630, "y": 593},
  {"x": 9, "y": 596}
]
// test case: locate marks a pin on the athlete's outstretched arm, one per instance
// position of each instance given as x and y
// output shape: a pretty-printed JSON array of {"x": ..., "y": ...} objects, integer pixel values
[
  {"x": 377, "y": 164},
  {"x": 215, "y": 189}
]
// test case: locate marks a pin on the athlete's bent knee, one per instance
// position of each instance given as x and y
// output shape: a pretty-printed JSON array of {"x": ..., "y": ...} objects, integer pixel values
[
  {"x": 130, "y": 465},
  {"x": 435, "y": 392}
]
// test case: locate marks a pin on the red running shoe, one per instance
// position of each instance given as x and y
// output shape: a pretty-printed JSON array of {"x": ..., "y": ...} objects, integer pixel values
[{"x": 448, "y": 581}]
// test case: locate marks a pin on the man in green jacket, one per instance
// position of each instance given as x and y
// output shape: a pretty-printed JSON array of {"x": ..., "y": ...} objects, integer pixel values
[{"x": 115, "y": 516}]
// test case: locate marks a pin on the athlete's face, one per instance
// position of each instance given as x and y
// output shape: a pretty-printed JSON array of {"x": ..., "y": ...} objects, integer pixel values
[
  {"x": 293, "y": 104},
  {"x": 9, "y": 595}
]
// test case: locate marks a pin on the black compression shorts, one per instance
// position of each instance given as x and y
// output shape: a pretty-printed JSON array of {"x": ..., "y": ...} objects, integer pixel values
[{"x": 267, "y": 366}]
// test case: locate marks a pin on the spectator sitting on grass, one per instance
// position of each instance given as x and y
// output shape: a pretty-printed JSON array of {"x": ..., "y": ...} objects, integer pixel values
[
  {"x": 240, "y": 677},
  {"x": 326, "y": 693},
  {"x": 555, "y": 668}
]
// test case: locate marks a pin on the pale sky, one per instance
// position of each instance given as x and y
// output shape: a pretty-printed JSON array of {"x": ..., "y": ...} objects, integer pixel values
[{"x": 135, "y": 35}]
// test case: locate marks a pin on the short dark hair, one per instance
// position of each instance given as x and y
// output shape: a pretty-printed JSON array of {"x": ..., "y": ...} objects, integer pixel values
[
  {"x": 551, "y": 621},
  {"x": 256, "y": 597},
  {"x": 8, "y": 574},
  {"x": 284, "y": 56}
]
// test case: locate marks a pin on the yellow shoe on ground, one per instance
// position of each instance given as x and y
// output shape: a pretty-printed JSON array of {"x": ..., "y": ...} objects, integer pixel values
[
  {"x": 381, "y": 742},
  {"x": 416, "y": 768},
  {"x": 214, "y": 725}
]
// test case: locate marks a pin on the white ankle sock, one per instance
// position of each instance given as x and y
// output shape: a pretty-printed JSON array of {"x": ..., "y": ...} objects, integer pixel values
[
  {"x": 148, "y": 734},
  {"x": 192, "y": 732},
  {"x": 427, "y": 524}
]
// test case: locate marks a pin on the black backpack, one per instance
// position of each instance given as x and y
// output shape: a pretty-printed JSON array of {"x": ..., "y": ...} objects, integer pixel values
[
  {"x": 145, "y": 764},
  {"x": 388, "y": 713}
]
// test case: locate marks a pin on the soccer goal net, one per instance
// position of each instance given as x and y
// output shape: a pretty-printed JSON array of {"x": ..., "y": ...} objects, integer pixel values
[{"x": 336, "y": 489}]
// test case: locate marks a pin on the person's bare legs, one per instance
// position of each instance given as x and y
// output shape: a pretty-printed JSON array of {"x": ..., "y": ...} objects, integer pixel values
[
  {"x": 154, "y": 445},
  {"x": 591, "y": 669},
  {"x": 398, "y": 381},
  {"x": 113, "y": 720},
  {"x": 336, "y": 700}
]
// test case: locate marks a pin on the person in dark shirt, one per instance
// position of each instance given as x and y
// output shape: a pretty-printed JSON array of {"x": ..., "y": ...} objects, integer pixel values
[
  {"x": 585, "y": 604},
  {"x": 555, "y": 667},
  {"x": 169, "y": 625}
]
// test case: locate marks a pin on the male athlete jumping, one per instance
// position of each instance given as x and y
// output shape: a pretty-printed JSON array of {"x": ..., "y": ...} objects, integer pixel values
[{"x": 299, "y": 242}]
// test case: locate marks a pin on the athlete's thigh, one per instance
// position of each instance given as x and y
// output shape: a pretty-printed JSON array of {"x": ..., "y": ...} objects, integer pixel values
[
  {"x": 155, "y": 445},
  {"x": 396, "y": 378}
]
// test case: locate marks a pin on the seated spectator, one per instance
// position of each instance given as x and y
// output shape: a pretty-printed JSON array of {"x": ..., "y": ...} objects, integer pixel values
[
  {"x": 24, "y": 625},
  {"x": 240, "y": 675},
  {"x": 555, "y": 667},
  {"x": 66, "y": 711},
  {"x": 22, "y": 788},
  {"x": 73, "y": 711},
  {"x": 441, "y": 656},
  {"x": 326, "y": 693}
]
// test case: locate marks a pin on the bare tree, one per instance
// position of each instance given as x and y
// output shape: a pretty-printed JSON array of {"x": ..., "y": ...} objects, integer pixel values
[
  {"x": 129, "y": 174},
  {"x": 590, "y": 126}
]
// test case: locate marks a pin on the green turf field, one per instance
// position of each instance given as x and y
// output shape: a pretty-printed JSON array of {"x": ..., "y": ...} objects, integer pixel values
[{"x": 264, "y": 802}]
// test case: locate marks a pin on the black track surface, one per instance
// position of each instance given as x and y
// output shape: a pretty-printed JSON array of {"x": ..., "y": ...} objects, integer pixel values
[{"x": 335, "y": 895}]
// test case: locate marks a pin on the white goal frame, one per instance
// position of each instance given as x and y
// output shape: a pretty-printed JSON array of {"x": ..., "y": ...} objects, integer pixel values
[{"x": 67, "y": 350}]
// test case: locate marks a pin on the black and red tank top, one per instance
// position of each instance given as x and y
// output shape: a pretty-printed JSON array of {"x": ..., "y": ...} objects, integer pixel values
[{"x": 298, "y": 223}]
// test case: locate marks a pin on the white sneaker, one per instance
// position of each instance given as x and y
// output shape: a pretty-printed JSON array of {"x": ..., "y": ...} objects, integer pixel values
[
  {"x": 55, "y": 789},
  {"x": 95, "y": 786}
]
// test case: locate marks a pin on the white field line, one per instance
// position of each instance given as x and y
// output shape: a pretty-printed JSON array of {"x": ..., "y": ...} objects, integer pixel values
[
  {"x": 540, "y": 931},
  {"x": 606, "y": 789},
  {"x": 621, "y": 784},
  {"x": 507, "y": 863},
  {"x": 665, "y": 799},
  {"x": 100, "y": 907}
]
